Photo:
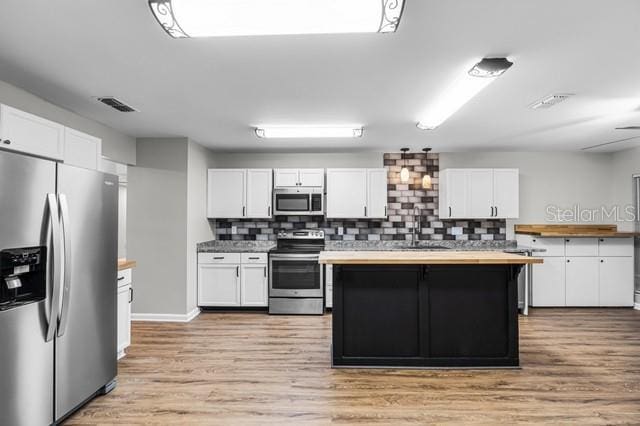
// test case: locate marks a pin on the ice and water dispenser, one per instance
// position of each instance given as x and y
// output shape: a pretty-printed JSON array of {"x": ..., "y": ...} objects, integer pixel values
[{"x": 23, "y": 276}]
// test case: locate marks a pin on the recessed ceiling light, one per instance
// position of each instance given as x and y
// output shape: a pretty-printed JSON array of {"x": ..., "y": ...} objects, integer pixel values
[
  {"x": 287, "y": 132},
  {"x": 464, "y": 88},
  {"x": 210, "y": 18}
]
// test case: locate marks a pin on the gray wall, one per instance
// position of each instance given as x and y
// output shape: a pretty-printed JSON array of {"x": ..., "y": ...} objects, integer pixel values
[
  {"x": 199, "y": 229},
  {"x": 115, "y": 145},
  {"x": 564, "y": 179},
  {"x": 156, "y": 225},
  {"x": 295, "y": 160}
]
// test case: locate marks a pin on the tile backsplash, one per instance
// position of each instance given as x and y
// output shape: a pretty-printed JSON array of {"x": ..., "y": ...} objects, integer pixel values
[{"x": 402, "y": 198}]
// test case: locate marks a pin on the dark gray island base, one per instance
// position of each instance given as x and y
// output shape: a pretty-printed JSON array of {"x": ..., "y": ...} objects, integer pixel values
[{"x": 425, "y": 315}]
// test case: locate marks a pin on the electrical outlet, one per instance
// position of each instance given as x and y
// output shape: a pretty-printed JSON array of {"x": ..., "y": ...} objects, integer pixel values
[
  {"x": 340, "y": 230},
  {"x": 234, "y": 229},
  {"x": 456, "y": 230}
]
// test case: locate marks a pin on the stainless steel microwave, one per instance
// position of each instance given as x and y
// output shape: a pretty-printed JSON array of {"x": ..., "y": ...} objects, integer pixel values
[{"x": 298, "y": 201}]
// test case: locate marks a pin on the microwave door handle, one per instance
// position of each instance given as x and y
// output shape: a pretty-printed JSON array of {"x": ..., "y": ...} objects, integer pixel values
[
  {"x": 66, "y": 287},
  {"x": 56, "y": 265}
]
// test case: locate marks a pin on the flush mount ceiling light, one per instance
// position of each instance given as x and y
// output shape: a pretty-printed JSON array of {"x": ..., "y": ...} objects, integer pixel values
[
  {"x": 211, "y": 18},
  {"x": 287, "y": 132},
  {"x": 462, "y": 90},
  {"x": 404, "y": 172}
]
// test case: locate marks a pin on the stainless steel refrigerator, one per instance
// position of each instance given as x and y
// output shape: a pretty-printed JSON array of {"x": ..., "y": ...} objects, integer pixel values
[{"x": 58, "y": 274}]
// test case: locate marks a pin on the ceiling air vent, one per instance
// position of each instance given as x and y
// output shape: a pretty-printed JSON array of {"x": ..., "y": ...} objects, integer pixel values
[
  {"x": 116, "y": 104},
  {"x": 549, "y": 101}
]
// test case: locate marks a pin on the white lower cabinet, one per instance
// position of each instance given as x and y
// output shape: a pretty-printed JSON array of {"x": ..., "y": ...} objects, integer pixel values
[
  {"x": 253, "y": 285},
  {"x": 124, "y": 299},
  {"x": 548, "y": 283},
  {"x": 232, "y": 279},
  {"x": 582, "y": 271},
  {"x": 616, "y": 281},
  {"x": 582, "y": 281}
]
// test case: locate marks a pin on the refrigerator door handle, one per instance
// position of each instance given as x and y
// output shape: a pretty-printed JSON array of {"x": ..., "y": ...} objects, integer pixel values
[
  {"x": 52, "y": 205},
  {"x": 66, "y": 286}
]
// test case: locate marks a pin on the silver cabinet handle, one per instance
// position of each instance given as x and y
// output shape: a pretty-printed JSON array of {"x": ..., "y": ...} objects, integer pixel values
[
  {"x": 243, "y": 210},
  {"x": 52, "y": 205},
  {"x": 218, "y": 257},
  {"x": 6, "y": 142},
  {"x": 120, "y": 278},
  {"x": 254, "y": 258},
  {"x": 385, "y": 211},
  {"x": 66, "y": 286},
  {"x": 269, "y": 211},
  {"x": 496, "y": 211},
  {"x": 365, "y": 210},
  {"x": 237, "y": 271},
  {"x": 130, "y": 294},
  {"x": 449, "y": 211},
  {"x": 265, "y": 272}
]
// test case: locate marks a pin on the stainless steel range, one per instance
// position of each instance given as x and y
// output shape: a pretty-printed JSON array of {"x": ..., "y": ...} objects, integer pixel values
[{"x": 295, "y": 277}]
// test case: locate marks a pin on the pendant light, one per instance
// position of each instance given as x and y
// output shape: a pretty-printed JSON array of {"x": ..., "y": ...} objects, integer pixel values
[
  {"x": 404, "y": 172},
  {"x": 426, "y": 179}
]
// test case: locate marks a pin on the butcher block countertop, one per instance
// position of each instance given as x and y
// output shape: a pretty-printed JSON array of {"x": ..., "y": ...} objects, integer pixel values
[
  {"x": 575, "y": 231},
  {"x": 419, "y": 257},
  {"x": 126, "y": 264}
]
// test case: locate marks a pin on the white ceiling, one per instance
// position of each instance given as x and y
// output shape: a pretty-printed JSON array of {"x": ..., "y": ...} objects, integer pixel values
[{"x": 214, "y": 90}]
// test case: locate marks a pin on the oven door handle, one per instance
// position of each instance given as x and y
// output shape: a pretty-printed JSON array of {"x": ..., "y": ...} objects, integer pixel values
[{"x": 294, "y": 256}]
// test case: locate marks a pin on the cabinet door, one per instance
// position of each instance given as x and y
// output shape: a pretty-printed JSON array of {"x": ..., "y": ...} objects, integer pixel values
[
  {"x": 259, "y": 193},
  {"x": 254, "y": 287},
  {"x": 81, "y": 150},
  {"x": 615, "y": 247},
  {"x": 219, "y": 285},
  {"x": 346, "y": 193},
  {"x": 456, "y": 194},
  {"x": 311, "y": 177},
  {"x": 582, "y": 281},
  {"x": 225, "y": 193},
  {"x": 506, "y": 190},
  {"x": 285, "y": 177},
  {"x": 28, "y": 133},
  {"x": 480, "y": 193},
  {"x": 377, "y": 193},
  {"x": 548, "y": 286},
  {"x": 616, "y": 281},
  {"x": 124, "y": 318}
]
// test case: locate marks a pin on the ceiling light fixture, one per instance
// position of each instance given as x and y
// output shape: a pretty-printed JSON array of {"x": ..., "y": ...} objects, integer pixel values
[
  {"x": 287, "y": 132},
  {"x": 404, "y": 172},
  {"x": 426, "y": 179},
  {"x": 211, "y": 18},
  {"x": 462, "y": 90}
]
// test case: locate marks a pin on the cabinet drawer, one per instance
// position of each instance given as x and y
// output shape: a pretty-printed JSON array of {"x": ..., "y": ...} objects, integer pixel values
[
  {"x": 553, "y": 246},
  {"x": 615, "y": 247},
  {"x": 581, "y": 246},
  {"x": 253, "y": 257},
  {"x": 218, "y": 257},
  {"x": 124, "y": 277}
]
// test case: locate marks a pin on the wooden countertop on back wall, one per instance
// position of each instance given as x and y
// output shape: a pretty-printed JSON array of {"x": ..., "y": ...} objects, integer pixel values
[
  {"x": 126, "y": 264},
  {"x": 419, "y": 257},
  {"x": 575, "y": 231}
]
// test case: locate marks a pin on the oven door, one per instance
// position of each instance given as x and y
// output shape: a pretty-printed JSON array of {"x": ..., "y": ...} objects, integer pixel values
[{"x": 295, "y": 275}]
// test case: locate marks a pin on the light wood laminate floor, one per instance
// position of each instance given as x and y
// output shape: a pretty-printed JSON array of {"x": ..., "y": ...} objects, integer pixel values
[{"x": 578, "y": 366}]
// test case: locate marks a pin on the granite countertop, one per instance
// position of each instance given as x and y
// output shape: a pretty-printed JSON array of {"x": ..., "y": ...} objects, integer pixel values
[
  {"x": 235, "y": 246},
  {"x": 419, "y": 257},
  {"x": 506, "y": 246}
]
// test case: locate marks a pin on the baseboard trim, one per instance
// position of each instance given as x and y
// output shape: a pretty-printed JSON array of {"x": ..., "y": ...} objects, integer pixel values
[{"x": 167, "y": 317}]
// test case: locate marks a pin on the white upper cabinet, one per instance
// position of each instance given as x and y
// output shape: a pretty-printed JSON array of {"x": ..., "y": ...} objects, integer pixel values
[
  {"x": 377, "y": 193},
  {"x": 299, "y": 177},
  {"x": 81, "y": 149},
  {"x": 28, "y": 133},
  {"x": 506, "y": 193},
  {"x": 285, "y": 177},
  {"x": 259, "y": 193},
  {"x": 479, "y": 193},
  {"x": 226, "y": 193},
  {"x": 239, "y": 193},
  {"x": 357, "y": 193}
]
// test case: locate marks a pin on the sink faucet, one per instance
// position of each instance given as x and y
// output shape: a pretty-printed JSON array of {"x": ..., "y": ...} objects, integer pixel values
[{"x": 417, "y": 226}]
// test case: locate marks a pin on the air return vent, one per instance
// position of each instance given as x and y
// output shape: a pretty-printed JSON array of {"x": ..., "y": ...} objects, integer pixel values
[
  {"x": 549, "y": 101},
  {"x": 116, "y": 104}
]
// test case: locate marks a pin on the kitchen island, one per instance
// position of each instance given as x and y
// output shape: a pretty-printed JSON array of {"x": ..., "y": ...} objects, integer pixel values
[{"x": 431, "y": 309}]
